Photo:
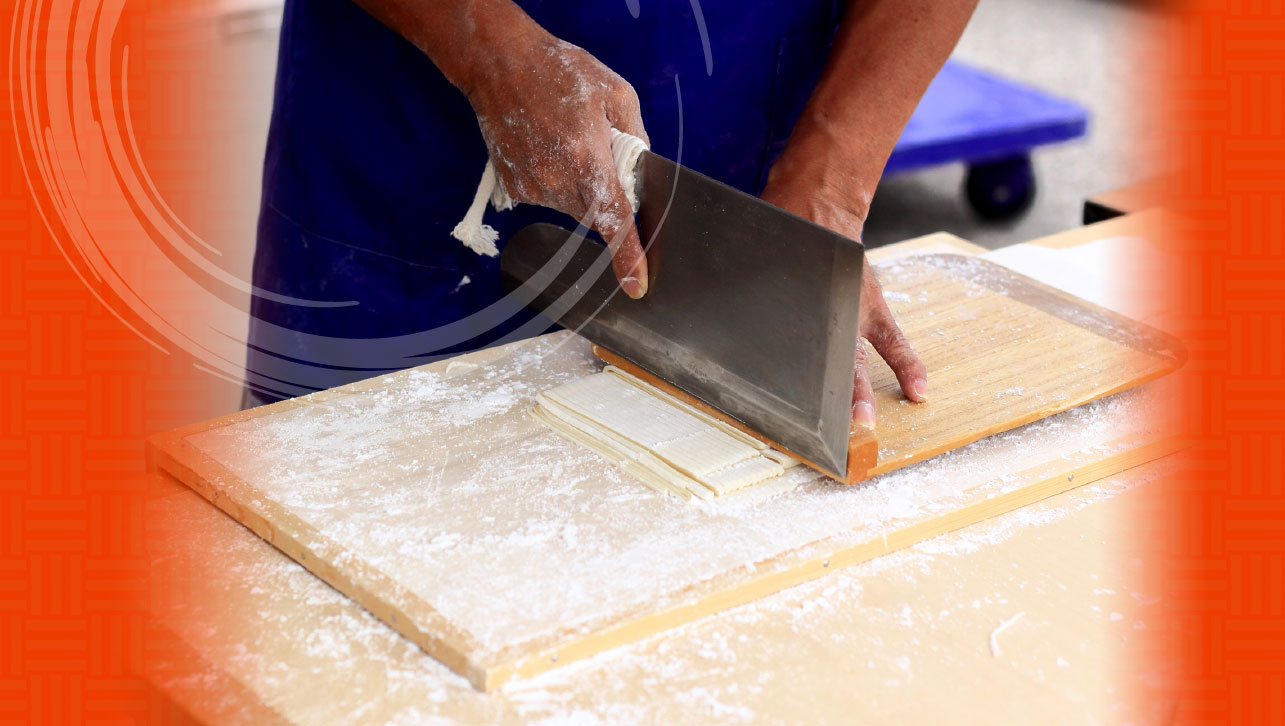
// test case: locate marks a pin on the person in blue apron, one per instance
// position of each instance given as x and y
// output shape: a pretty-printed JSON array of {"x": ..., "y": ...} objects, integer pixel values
[{"x": 386, "y": 112}]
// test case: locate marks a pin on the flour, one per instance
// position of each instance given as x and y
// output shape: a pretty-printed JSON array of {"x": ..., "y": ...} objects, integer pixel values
[
  {"x": 568, "y": 541},
  {"x": 994, "y": 642}
]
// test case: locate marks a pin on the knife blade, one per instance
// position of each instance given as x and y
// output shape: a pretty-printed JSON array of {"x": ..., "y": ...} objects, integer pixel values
[{"x": 750, "y": 309}]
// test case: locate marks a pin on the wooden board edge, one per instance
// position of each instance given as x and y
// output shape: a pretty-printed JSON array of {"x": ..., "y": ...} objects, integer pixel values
[
  {"x": 202, "y": 691},
  {"x": 1150, "y": 193},
  {"x": 171, "y": 453},
  {"x": 921, "y": 245},
  {"x": 863, "y": 447},
  {"x": 1050, "y": 479},
  {"x": 1132, "y": 223}
]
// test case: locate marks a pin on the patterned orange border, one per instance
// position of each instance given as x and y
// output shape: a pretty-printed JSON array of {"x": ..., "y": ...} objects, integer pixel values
[{"x": 81, "y": 386}]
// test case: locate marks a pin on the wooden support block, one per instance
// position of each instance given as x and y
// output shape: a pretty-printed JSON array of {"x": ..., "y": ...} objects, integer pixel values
[{"x": 1130, "y": 199}]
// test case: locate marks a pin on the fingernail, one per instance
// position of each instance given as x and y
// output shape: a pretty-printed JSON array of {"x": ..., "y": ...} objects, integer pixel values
[
  {"x": 864, "y": 415},
  {"x": 920, "y": 388},
  {"x": 633, "y": 287}
]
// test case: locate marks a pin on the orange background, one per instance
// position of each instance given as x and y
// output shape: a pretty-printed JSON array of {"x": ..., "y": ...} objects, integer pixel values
[
  {"x": 80, "y": 389},
  {"x": 1223, "y": 91}
]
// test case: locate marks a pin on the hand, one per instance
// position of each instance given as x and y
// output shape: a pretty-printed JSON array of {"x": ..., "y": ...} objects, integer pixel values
[
  {"x": 816, "y": 197},
  {"x": 546, "y": 110}
]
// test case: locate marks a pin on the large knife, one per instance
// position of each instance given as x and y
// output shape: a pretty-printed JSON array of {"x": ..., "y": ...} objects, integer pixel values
[{"x": 750, "y": 309}]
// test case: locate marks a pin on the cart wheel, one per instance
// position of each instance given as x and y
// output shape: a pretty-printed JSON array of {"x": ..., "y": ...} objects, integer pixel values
[{"x": 1001, "y": 189}]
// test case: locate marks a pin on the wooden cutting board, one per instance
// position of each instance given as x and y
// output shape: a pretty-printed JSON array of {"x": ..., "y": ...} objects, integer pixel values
[
  {"x": 435, "y": 501},
  {"x": 1002, "y": 350},
  {"x": 1005, "y": 349}
]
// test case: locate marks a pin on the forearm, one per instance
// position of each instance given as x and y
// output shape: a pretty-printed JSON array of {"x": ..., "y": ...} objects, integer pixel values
[
  {"x": 462, "y": 37},
  {"x": 885, "y": 55}
]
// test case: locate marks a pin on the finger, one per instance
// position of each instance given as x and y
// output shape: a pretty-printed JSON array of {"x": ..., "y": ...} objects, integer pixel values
[
  {"x": 886, "y": 337},
  {"x": 613, "y": 219},
  {"x": 625, "y": 114},
  {"x": 863, "y": 396}
]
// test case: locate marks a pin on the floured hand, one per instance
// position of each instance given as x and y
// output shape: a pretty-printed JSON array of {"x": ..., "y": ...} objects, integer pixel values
[{"x": 546, "y": 110}]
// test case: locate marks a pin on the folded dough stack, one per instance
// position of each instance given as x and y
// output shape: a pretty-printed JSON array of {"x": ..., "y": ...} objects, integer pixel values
[{"x": 657, "y": 438}]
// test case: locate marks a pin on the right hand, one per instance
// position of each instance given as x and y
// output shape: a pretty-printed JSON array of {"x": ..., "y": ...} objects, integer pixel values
[
  {"x": 546, "y": 112},
  {"x": 818, "y": 187}
]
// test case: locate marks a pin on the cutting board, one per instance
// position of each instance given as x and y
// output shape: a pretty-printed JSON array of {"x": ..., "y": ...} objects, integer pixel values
[
  {"x": 1006, "y": 350},
  {"x": 434, "y": 500},
  {"x": 1002, "y": 350}
]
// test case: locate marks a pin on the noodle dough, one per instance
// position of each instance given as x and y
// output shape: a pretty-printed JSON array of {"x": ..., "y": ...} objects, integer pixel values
[{"x": 666, "y": 443}]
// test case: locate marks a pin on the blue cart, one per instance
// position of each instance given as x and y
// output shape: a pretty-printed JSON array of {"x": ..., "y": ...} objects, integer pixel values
[{"x": 991, "y": 124}]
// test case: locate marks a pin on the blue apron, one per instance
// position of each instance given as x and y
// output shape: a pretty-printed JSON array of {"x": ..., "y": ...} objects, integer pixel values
[{"x": 372, "y": 158}]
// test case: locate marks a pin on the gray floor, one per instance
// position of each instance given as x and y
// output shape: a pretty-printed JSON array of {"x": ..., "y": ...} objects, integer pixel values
[{"x": 1080, "y": 49}]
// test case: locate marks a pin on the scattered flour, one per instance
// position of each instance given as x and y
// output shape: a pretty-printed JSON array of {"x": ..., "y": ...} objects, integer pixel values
[
  {"x": 255, "y": 632},
  {"x": 552, "y": 507}
]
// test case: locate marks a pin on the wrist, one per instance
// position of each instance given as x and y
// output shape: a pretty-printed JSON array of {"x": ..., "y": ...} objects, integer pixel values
[
  {"x": 503, "y": 51},
  {"x": 830, "y": 165},
  {"x": 475, "y": 43}
]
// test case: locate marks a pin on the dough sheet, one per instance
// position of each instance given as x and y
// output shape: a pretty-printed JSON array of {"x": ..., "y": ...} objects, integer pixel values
[{"x": 660, "y": 440}]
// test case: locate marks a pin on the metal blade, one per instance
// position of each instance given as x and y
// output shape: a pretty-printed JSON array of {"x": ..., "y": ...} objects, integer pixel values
[{"x": 750, "y": 308}]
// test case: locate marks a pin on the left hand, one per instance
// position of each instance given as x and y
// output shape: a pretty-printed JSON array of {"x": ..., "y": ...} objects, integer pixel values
[{"x": 826, "y": 200}]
